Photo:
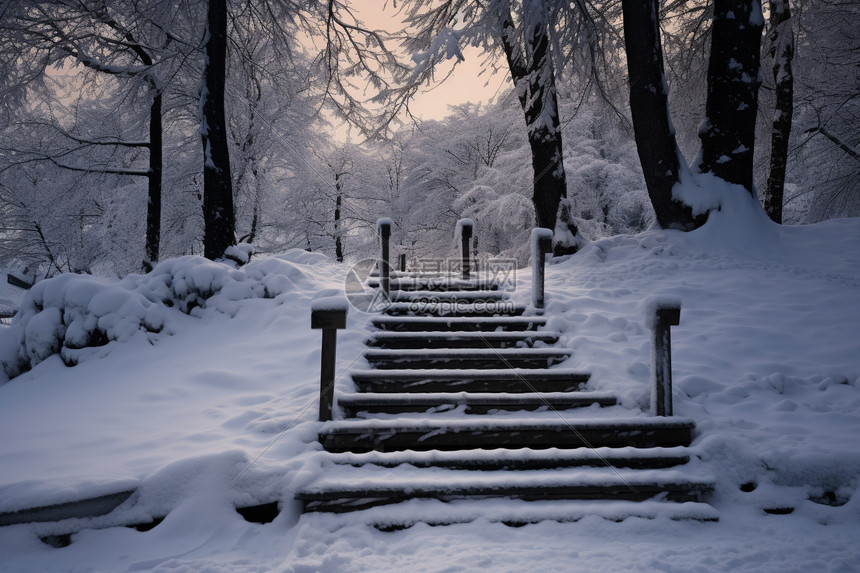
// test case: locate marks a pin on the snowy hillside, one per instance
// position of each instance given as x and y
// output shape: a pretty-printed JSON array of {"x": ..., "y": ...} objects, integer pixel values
[{"x": 211, "y": 405}]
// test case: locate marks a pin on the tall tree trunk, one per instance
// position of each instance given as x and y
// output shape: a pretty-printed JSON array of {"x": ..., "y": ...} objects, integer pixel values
[
  {"x": 338, "y": 241},
  {"x": 649, "y": 106},
  {"x": 782, "y": 51},
  {"x": 534, "y": 81},
  {"x": 218, "y": 216},
  {"x": 153, "y": 205},
  {"x": 728, "y": 132}
]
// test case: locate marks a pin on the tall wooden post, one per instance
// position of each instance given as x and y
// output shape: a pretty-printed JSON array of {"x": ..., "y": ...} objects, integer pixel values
[
  {"x": 464, "y": 229},
  {"x": 328, "y": 314},
  {"x": 384, "y": 229},
  {"x": 665, "y": 315},
  {"x": 541, "y": 244}
]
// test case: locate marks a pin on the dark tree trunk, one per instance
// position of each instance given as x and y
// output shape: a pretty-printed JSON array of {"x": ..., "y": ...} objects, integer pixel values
[
  {"x": 649, "y": 107},
  {"x": 218, "y": 216},
  {"x": 782, "y": 52},
  {"x": 728, "y": 133},
  {"x": 534, "y": 82},
  {"x": 338, "y": 241},
  {"x": 153, "y": 205},
  {"x": 541, "y": 116}
]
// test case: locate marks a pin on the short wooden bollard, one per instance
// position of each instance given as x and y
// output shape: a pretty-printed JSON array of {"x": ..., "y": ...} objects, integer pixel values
[
  {"x": 663, "y": 314},
  {"x": 541, "y": 244},
  {"x": 384, "y": 230},
  {"x": 328, "y": 314},
  {"x": 464, "y": 231},
  {"x": 402, "y": 263}
]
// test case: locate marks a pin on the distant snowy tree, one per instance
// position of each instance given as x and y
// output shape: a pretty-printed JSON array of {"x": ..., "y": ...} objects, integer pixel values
[{"x": 126, "y": 41}]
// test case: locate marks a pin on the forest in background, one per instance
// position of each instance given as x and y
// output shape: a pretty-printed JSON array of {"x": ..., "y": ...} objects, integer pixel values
[{"x": 94, "y": 92}]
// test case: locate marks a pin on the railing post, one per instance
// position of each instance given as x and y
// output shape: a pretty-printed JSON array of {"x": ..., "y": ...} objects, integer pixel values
[
  {"x": 541, "y": 244},
  {"x": 663, "y": 315},
  {"x": 403, "y": 263},
  {"x": 464, "y": 230},
  {"x": 328, "y": 314},
  {"x": 384, "y": 229}
]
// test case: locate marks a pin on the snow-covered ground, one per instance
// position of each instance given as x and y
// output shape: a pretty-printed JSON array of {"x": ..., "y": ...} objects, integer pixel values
[{"x": 204, "y": 411}]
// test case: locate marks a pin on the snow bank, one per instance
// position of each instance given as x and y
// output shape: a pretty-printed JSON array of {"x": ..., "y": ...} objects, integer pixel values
[{"x": 77, "y": 316}]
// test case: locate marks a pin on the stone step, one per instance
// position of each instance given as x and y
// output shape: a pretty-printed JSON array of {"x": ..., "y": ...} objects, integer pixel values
[
  {"x": 448, "y": 358},
  {"x": 481, "y": 309},
  {"x": 502, "y": 380},
  {"x": 521, "y": 459},
  {"x": 399, "y": 340},
  {"x": 457, "y": 324},
  {"x": 541, "y": 433},
  {"x": 347, "y": 491},
  {"x": 472, "y": 403},
  {"x": 515, "y": 512}
]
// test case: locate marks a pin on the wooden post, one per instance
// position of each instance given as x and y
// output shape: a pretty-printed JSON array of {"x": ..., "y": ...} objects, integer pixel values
[
  {"x": 541, "y": 244},
  {"x": 464, "y": 229},
  {"x": 403, "y": 263},
  {"x": 328, "y": 314},
  {"x": 384, "y": 229},
  {"x": 665, "y": 315}
]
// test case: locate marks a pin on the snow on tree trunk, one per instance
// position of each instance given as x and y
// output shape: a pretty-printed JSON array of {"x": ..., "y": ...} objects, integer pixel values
[
  {"x": 218, "y": 215},
  {"x": 534, "y": 83},
  {"x": 728, "y": 132},
  {"x": 153, "y": 206},
  {"x": 781, "y": 38},
  {"x": 649, "y": 107}
]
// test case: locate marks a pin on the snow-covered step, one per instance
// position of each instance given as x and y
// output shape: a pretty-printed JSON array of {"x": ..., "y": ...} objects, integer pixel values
[
  {"x": 472, "y": 403},
  {"x": 466, "y": 324},
  {"x": 539, "y": 433},
  {"x": 444, "y": 358},
  {"x": 460, "y": 339},
  {"x": 466, "y": 380},
  {"x": 521, "y": 459},
  {"x": 341, "y": 490},
  {"x": 516, "y": 512},
  {"x": 479, "y": 309}
]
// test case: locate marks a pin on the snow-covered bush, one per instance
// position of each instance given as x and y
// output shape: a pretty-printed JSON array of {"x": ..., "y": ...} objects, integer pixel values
[{"x": 71, "y": 314}]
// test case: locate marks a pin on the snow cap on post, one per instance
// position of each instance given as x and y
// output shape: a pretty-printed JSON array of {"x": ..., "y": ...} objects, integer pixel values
[
  {"x": 384, "y": 225},
  {"x": 459, "y": 229},
  {"x": 540, "y": 234},
  {"x": 666, "y": 305},
  {"x": 463, "y": 235},
  {"x": 329, "y": 312}
]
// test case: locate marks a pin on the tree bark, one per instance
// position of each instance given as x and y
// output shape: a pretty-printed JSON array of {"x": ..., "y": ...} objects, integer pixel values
[
  {"x": 153, "y": 205},
  {"x": 338, "y": 241},
  {"x": 728, "y": 132},
  {"x": 782, "y": 52},
  {"x": 649, "y": 107},
  {"x": 534, "y": 83},
  {"x": 218, "y": 215}
]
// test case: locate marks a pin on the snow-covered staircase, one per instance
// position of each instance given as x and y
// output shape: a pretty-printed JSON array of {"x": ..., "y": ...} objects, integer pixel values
[{"x": 463, "y": 405}]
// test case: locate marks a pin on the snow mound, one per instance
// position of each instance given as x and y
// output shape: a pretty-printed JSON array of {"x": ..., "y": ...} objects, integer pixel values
[{"x": 77, "y": 315}]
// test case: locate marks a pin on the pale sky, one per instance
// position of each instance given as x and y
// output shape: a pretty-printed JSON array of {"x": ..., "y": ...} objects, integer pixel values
[{"x": 464, "y": 85}]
